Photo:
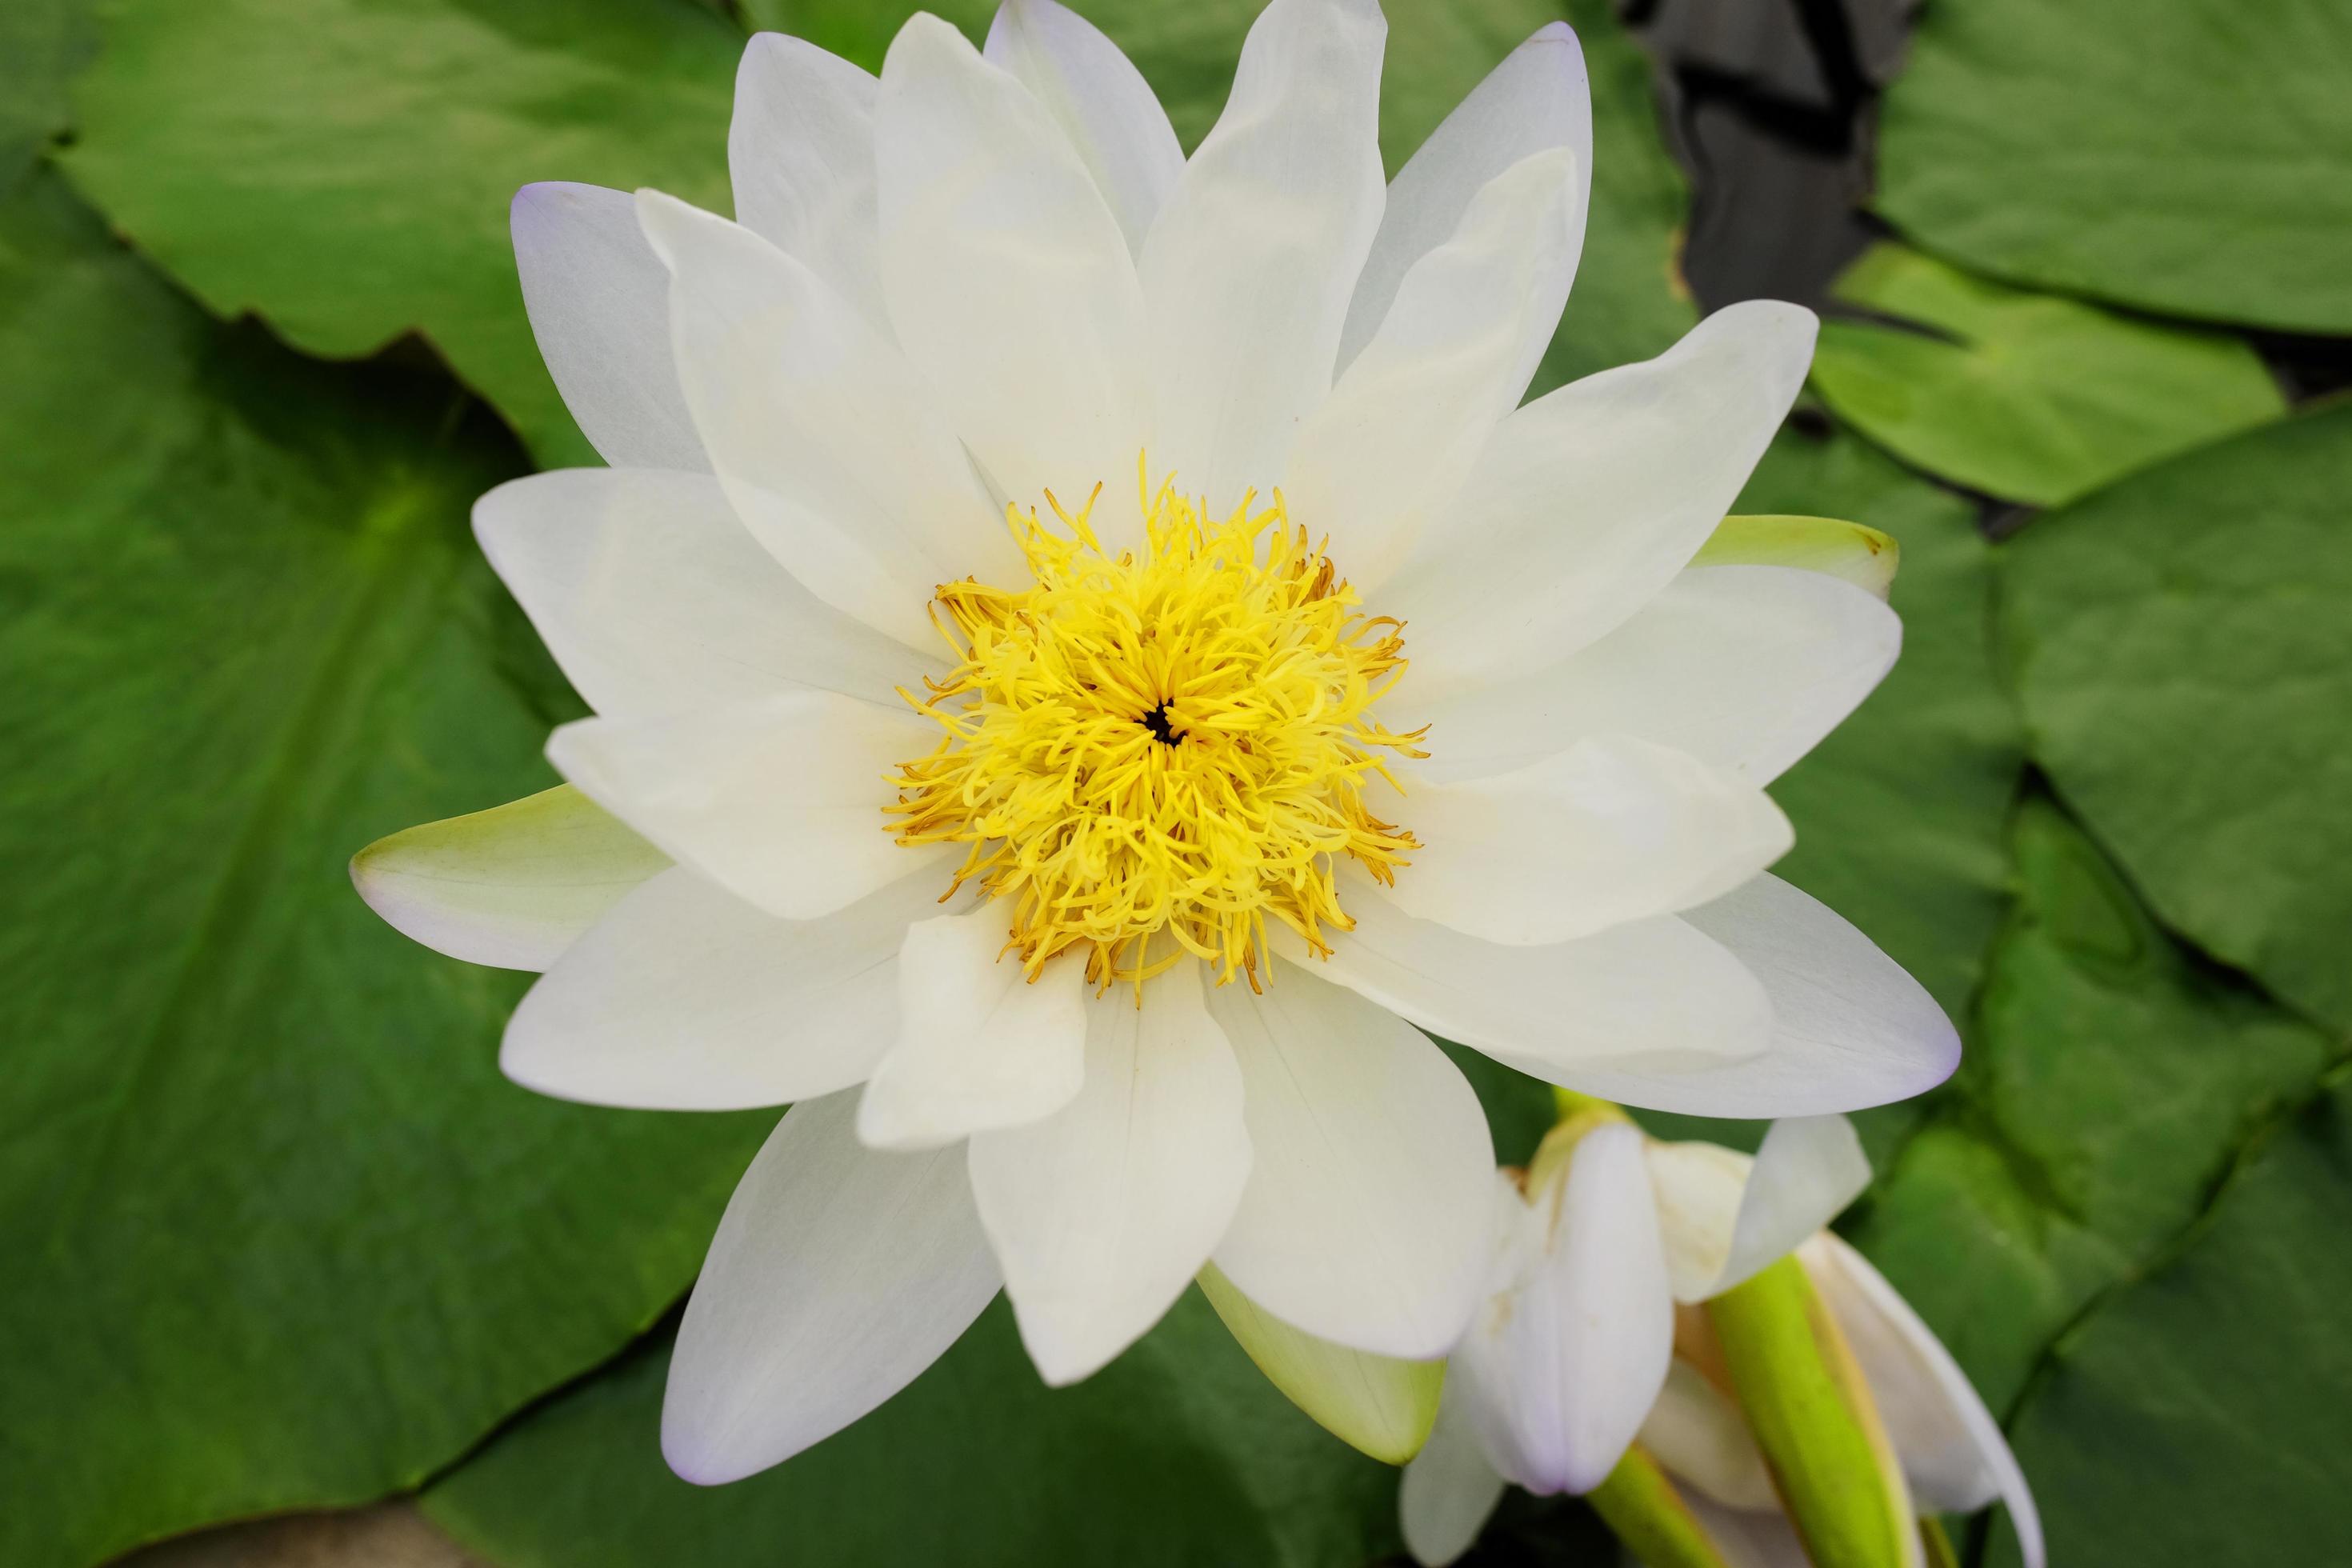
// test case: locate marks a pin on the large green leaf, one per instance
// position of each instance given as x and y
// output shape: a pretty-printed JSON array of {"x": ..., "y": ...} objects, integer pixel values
[
  {"x": 342, "y": 167},
  {"x": 2182, "y": 648},
  {"x": 2197, "y": 1417},
  {"x": 2113, "y": 1080},
  {"x": 1180, "y": 1453},
  {"x": 2030, "y": 396},
  {"x": 2192, "y": 158},
  {"x": 42, "y": 43},
  {"x": 275, "y": 1232}
]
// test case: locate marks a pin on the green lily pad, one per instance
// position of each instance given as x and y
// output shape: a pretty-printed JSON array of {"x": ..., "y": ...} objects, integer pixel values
[
  {"x": 1179, "y": 1453},
  {"x": 2192, "y": 158},
  {"x": 2183, "y": 650},
  {"x": 2113, "y": 1079},
  {"x": 342, "y": 167},
  {"x": 2033, "y": 397},
  {"x": 42, "y": 44},
  {"x": 278, "y": 1234},
  {"x": 2217, "y": 1384}
]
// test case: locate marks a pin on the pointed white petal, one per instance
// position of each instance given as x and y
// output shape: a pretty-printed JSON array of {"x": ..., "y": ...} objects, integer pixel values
[
  {"x": 1250, "y": 267},
  {"x": 1007, "y": 276},
  {"x": 1851, "y": 1028},
  {"x": 801, "y": 154},
  {"x": 1725, "y": 1217},
  {"x": 1650, "y": 993},
  {"x": 1449, "y": 1490},
  {"x": 779, "y": 801},
  {"x": 1365, "y": 1220},
  {"x": 1952, "y": 1449},
  {"x": 980, "y": 1046},
  {"x": 598, "y": 300},
  {"x": 686, "y": 998},
  {"x": 837, "y": 1275},
  {"x": 1536, "y": 99},
  {"x": 1745, "y": 668},
  {"x": 1697, "y": 1432},
  {"x": 1612, "y": 829},
  {"x": 512, "y": 887},
  {"x": 1405, "y": 423},
  {"x": 1103, "y": 1212},
  {"x": 1099, "y": 100},
  {"x": 1560, "y": 1370},
  {"x": 655, "y": 599},
  {"x": 819, "y": 429},
  {"x": 1588, "y": 500}
]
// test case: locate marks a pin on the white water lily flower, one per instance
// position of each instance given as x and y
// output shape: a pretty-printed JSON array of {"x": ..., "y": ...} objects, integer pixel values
[
  {"x": 996, "y": 615},
  {"x": 1571, "y": 1360}
]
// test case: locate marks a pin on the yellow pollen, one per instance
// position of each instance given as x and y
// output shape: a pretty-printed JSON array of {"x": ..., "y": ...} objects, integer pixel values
[{"x": 1151, "y": 755}]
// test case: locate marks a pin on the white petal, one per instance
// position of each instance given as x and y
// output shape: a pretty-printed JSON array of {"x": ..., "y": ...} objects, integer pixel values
[
  {"x": 1250, "y": 268},
  {"x": 1536, "y": 99},
  {"x": 1952, "y": 1450},
  {"x": 1745, "y": 668},
  {"x": 1365, "y": 1220},
  {"x": 1449, "y": 1490},
  {"x": 801, "y": 154},
  {"x": 1100, "y": 102},
  {"x": 655, "y": 599},
  {"x": 1406, "y": 421},
  {"x": 1749, "y": 1539},
  {"x": 837, "y": 1275},
  {"x": 512, "y": 887},
  {"x": 1007, "y": 276},
  {"x": 686, "y": 998},
  {"x": 1648, "y": 994},
  {"x": 598, "y": 300},
  {"x": 1697, "y": 1434},
  {"x": 1725, "y": 1216},
  {"x": 1562, "y": 1368},
  {"x": 1612, "y": 829},
  {"x": 779, "y": 801},
  {"x": 980, "y": 1046},
  {"x": 1103, "y": 1212},
  {"x": 1588, "y": 499},
  {"x": 819, "y": 429},
  {"x": 1851, "y": 1028}
]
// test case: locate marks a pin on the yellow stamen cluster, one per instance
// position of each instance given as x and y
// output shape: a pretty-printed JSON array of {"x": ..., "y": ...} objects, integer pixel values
[{"x": 1170, "y": 744}]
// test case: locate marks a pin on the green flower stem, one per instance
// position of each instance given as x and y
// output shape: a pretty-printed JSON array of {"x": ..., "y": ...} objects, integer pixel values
[
  {"x": 1640, "y": 1504},
  {"x": 1935, "y": 1545},
  {"x": 1815, "y": 1422}
]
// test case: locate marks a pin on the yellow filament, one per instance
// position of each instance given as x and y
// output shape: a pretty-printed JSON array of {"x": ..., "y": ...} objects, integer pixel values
[{"x": 1171, "y": 743}]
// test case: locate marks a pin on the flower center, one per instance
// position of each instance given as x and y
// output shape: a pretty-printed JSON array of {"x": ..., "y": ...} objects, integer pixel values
[{"x": 1153, "y": 753}]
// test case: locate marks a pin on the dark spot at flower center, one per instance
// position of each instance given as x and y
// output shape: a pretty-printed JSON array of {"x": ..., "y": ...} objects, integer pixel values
[{"x": 1162, "y": 730}]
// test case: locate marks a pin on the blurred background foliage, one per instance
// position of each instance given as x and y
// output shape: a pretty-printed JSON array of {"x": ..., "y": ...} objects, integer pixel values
[{"x": 277, "y": 1238}]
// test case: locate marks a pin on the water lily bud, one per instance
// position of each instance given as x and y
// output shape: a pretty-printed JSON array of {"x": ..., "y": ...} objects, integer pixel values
[{"x": 1813, "y": 1417}]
